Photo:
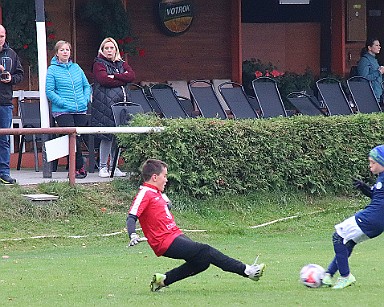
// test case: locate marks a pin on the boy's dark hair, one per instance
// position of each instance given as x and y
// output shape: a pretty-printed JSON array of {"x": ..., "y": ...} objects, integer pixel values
[{"x": 152, "y": 166}]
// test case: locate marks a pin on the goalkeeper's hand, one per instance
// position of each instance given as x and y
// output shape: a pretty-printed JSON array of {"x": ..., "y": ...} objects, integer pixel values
[{"x": 135, "y": 239}]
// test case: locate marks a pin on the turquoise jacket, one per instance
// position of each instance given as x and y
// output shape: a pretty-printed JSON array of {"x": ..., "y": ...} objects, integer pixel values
[
  {"x": 67, "y": 87},
  {"x": 368, "y": 67}
]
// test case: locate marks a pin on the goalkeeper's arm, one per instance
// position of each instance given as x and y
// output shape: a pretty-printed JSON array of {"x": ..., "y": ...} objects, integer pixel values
[{"x": 131, "y": 224}]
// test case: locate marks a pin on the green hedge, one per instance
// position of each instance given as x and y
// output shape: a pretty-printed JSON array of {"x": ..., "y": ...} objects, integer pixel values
[{"x": 210, "y": 156}]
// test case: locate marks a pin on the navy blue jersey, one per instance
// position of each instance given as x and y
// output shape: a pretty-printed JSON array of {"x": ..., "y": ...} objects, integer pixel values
[{"x": 371, "y": 218}]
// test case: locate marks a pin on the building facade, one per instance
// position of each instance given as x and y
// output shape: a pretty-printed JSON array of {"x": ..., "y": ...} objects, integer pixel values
[{"x": 325, "y": 36}]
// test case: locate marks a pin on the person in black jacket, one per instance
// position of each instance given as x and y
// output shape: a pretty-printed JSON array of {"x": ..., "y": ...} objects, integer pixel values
[
  {"x": 11, "y": 73},
  {"x": 112, "y": 75}
]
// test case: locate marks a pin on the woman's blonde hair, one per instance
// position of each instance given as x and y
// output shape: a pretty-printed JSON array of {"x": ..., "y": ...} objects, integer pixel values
[
  {"x": 59, "y": 44},
  {"x": 107, "y": 40}
]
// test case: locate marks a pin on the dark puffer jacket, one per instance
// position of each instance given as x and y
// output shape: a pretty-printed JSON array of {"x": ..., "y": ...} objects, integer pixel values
[
  {"x": 17, "y": 74},
  {"x": 107, "y": 90}
]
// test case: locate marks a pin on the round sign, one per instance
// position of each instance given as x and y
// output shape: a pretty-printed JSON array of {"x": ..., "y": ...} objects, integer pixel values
[{"x": 175, "y": 16}]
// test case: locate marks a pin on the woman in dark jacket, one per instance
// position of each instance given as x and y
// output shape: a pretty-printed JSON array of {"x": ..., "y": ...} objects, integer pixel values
[{"x": 112, "y": 76}]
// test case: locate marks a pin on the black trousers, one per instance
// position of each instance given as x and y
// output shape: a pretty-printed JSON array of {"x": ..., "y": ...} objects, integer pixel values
[
  {"x": 74, "y": 120},
  {"x": 198, "y": 257}
]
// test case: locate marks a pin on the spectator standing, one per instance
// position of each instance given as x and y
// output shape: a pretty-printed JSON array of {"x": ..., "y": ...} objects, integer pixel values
[
  {"x": 11, "y": 74},
  {"x": 69, "y": 92},
  {"x": 369, "y": 68},
  {"x": 112, "y": 76}
]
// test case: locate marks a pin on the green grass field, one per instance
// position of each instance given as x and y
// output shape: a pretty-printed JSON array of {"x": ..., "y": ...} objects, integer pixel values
[{"x": 103, "y": 271}]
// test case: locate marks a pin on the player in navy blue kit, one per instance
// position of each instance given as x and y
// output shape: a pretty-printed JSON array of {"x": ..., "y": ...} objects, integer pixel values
[{"x": 365, "y": 224}]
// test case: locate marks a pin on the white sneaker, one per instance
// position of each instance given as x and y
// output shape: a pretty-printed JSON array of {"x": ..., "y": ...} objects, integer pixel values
[
  {"x": 255, "y": 271},
  {"x": 119, "y": 173},
  {"x": 103, "y": 172}
]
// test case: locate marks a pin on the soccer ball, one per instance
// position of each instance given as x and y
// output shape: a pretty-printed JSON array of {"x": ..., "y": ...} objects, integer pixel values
[{"x": 311, "y": 275}]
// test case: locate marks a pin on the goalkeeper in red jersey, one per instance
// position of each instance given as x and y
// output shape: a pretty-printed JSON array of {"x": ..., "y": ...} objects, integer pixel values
[{"x": 150, "y": 206}]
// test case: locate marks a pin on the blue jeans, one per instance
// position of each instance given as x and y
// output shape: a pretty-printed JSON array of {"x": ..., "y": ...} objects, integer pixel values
[{"x": 5, "y": 153}]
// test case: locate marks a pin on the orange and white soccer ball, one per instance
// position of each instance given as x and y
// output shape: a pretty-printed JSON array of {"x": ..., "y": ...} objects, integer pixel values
[{"x": 311, "y": 275}]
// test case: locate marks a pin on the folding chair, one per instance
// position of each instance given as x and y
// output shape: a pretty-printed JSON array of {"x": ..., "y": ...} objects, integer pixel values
[
  {"x": 363, "y": 95},
  {"x": 237, "y": 100},
  {"x": 137, "y": 95},
  {"x": 122, "y": 113},
  {"x": 167, "y": 100},
  {"x": 268, "y": 97},
  {"x": 180, "y": 87},
  {"x": 30, "y": 118},
  {"x": 305, "y": 104},
  {"x": 216, "y": 83},
  {"x": 333, "y": 96},
  {"x": 205, "y": 99}
]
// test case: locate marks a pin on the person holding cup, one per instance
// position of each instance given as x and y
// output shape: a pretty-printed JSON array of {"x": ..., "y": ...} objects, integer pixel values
[{"x": 11, "y": 73}]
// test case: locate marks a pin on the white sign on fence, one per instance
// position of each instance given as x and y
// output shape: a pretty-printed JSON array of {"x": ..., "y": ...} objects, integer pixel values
[{"x": 57, "y": 148}]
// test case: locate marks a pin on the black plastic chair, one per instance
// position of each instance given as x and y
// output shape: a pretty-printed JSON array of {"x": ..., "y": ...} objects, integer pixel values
[
  {"x": 237, "y": 100},
  {"x": 305, "y": 104},
  {"x": 30, "y": 118},
  {"x": 205, "y": 99},
  {"x": 167, "y": 100},
  {"x": 268, "y": 97},
  {"x": 123, "y": 113},
  {"x": 363, "y": 95},
  {"x": 137, "y": 95},
  {"x": 333, "y": 96}
]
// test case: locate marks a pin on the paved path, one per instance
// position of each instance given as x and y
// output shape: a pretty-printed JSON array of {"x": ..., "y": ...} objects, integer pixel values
[{"x": 30, "y": 177}]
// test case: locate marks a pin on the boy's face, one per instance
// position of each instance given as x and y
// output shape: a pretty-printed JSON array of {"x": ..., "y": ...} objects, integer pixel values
[
  {"x": 375, "y": 167},
  {"x": 159, "y": 181}
]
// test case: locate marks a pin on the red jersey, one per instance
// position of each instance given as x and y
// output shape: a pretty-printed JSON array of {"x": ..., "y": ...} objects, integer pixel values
[{"x": 157, "y": 222}]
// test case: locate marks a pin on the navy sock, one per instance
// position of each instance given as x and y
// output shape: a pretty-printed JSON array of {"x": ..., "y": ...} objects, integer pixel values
[{"x": 342, "y": 252}]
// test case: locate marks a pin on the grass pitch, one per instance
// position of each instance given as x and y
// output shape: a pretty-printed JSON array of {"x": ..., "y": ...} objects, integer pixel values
[{"x": 102, "y": 271}]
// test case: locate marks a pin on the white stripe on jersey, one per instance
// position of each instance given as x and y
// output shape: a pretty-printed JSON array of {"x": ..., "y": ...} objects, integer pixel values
[{"x": 139, "y": 198}]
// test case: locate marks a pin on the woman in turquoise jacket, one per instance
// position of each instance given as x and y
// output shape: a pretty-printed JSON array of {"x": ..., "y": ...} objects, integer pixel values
[
  {"x": 368, "y": 66},
  {"x": 69, "y": 92}
]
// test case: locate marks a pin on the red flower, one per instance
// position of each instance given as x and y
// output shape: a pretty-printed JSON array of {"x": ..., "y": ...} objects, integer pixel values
[
  {"x": 122, "y": 53},
  {"x": 51, "y": 36},
  {"x": 49, "y": 23},
  {"x": 128, "y": 40},
  {"x": 25, "y": 46},
  {"x": 276, "y": 73},
  {"x": 120, "y": 41},
  {"x": 141, "y": 52},
  {"x": 267, "y": 73},
  {"x": 258, "y": 74}
]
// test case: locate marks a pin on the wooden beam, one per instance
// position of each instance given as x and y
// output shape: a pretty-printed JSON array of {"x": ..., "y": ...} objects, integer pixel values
[
  {"x": 338, "y": 57},
  {"x": 236, "y": 43}
]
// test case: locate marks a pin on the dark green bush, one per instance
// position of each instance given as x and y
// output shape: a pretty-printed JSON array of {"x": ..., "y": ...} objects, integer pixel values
[{"x": 210, "y": 156}]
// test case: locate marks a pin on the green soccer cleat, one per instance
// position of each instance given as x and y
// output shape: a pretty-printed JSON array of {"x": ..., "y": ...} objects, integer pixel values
[
  {"x": 327, "y": 280},
  {"x": 343, "y": 282},
  {"x": 157, "y": 282}
]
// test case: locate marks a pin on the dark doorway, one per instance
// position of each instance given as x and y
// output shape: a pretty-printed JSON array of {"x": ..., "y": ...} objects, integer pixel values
[{"x": 375, "y": 24}]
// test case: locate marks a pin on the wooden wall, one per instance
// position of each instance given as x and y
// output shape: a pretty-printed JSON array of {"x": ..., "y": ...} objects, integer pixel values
[
  {"x": 203, "y": 52},
  {"x": 375, "y": 25},
  {"x": 289, "y": 46}
]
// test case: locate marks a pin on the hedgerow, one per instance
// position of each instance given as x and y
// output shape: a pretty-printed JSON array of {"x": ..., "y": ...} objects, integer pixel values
[{"x": 314, "y": 154}]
